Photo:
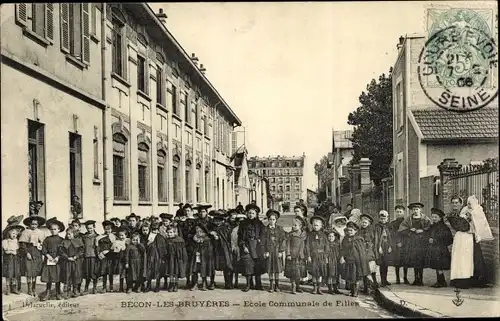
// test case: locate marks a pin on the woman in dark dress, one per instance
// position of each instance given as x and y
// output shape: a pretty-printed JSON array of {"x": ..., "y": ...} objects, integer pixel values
[
  {"x": 414, "y": 228},
  {"x": 399, "y": 244},
  {"x": 250, "y": 234},
  {"x": 437, "y": 255},
  {"x": 221, "y": 232}
]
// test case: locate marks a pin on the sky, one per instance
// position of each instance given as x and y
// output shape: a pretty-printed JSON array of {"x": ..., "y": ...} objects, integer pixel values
[{"x": 293, "y": 71}]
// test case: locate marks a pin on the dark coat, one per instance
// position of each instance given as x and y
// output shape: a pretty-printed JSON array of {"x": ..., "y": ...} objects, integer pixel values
[
  {"x": 316, "y": 249},
  {"x": 134, "y": 257},
  {"x": 383, "y": 240},
  {"x": 437, "y": 255},
  {"x": 333, "y": 256},
  {"x": 368, "y": 235},
  {"x": 295, "y": 267},
  {"x": 201, "y": 259},
  {"x": 222, "y": 247},
  {"x": 273, "y": 242},
  {"x": 353, "y": 250},
  {"x": 155, "y": 255},
  {"x": 71, "y": 270},
  {"x": 417, "y": 243},
  {"x": 176, "y": 257},
  {"x": 250, "y": 234},
  {"x": 398, "y": 253},
  {"x": 50, "y": 246},
  {"x": 90, "y": 268},
  {"x": 106, "y": 264}
]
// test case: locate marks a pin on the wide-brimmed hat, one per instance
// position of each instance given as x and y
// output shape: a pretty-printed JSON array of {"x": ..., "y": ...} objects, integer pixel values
[
  {"x": 15, "y": 219},
  {"x": 107, "y": 222},
  {"x": 252, "y": 206},
  {"x": 200, "y": 207},
  {"x": 187, "y": 205},
  {"x": 332, "y": 230},
  {"x": 114, "y": 219},
  {"x": 232, "y": 211},
  {"x": 27, "y": 221},
  {"x": 241, "y": 216},
  {"x": 368, "y": 216},
  {"x": 11, "y": 227},
  {"x": 273, "y": 212},
  {"x": 76, "y": 221},
  {"x": 317, "y": 218},
  {"x": 303, "y": 207},
  {"x": 55, "y": 221},
  {"x": 167, "y": 216},
  {"x": 301, "y": 220},
  {"x": 137, "y": 217},
  {"x": 399, "y": 207},
  {"x": 437, "y": 211},
  {"x": 339, "y": 217},
  {"x": 89, "y": 222},
  {"x": 416, "y": 204},
  {"x": 353, "y": 225}
]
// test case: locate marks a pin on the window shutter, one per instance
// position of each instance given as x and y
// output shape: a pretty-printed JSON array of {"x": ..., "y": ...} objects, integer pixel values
[
  {"x": 22, "y": 13},
  {"x": 124, "y": 53},
  {"x": 65, "y": 27},
  {"x": 49, "y": 22},
  {"x": 85, "y": 33}
]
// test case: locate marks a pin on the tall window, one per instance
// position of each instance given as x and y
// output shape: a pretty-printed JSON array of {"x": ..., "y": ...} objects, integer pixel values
[
  {"x": 38, "y": 18},
  {"x": 159, "y": 85},
  {"x": 188, "y": 181},
  {"x": 75, "y": 167},
  {"x": 120, "y": 165},
  {"x": 176, "y": 179},
  {"x": 194, "y": 108},
  {"x": 399, "y": 106},
  {"x": 141, "y": 73},
  {"x": 184, "y": 108},
  {"x": 207, "y": 185},
  {"x": 171, "y": 98},
  {"x": 75, "y": 30},
  {"x": 143, "y": 170},
  {"x": 95, "y": 145},
  {"x": 36, "y": 162},
  {"x": 162, "y": 176},
  {"x": 199, "y": 175},
  {"x": 119, "y": 62},
  {"x": 205, "y": 125}
]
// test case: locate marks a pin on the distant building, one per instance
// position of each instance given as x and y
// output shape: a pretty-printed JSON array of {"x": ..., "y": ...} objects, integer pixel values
[
  {"x": 342, "y": 153},
  {"x": 285, "y": 175}
]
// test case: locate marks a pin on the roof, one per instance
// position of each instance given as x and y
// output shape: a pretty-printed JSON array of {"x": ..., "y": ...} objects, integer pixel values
[{"x": 440, "y": 124}]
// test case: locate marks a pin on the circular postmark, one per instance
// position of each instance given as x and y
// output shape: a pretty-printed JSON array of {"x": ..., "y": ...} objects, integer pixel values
[{"x": 457, "y": 68}]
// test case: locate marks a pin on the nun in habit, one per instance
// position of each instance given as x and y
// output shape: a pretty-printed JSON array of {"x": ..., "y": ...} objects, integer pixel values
[{"x": 467, "y": 261}]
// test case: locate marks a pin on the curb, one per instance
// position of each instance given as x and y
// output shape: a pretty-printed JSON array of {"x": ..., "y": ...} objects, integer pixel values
[
  {"x": 23, "y": 301},
  {"x": 393, "y": 303}
]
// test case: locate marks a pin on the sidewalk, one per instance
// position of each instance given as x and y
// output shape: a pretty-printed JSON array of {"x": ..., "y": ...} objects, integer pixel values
[{"x": 425, "y": 301}]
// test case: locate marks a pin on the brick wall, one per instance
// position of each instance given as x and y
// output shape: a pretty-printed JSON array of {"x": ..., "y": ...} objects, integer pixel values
[
  {"x": 491, "y": 257},
  {"x": 357, "y": 201}
]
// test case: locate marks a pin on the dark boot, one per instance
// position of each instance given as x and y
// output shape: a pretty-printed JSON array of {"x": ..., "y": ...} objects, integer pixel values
[
  {"x": 28, "y": 286},
  {"x": 365, "y": 285},
  {"x": 271, "y": 286},
  {"x": 299, "y": 289},
  {"x": 438, "y": 279},
  {"x": 416, "y": 280},
  {"x": 157, "y": 285},
  {"x": 204, "y": 286},
  {"x": 330, "y": 288},
  {"x": 188, "y": 283},
  {"x": 398, "y": 280},
  {"x": 336, "y": 289},
  {"x": 375, "y": 283},
  {"x": 122, "y": 282},
  {"x": 14, "y": 287},
  {"x": 354, "y": 290},
  {"x": 175, "y": 288},
  {"x": 166, "y": 285},
  {"x": 420, "y": 277},
  {"x": 19, "y": 284},
  {"x": 294, "y": 288},
  {"x": 194, "y": 281},
  {"x": 169, "y": 286},
  {"x": 236, "y": 280},
  {"x": 248, "y": 286},
  {"x": 258, "y": 283},
  {"x": 276, "y": 286},
  {"x": 8, "y": 288},
  {"x": 405, "y": 276},
  {"x": 58, "y": 291},
  {"x": 252, "y": 284},
  {"x": 318, "y": 289},
  {"x": 33, "y": 287},
  {"x": 443, "y": 281},
  {"x": 315, "y": 288}
]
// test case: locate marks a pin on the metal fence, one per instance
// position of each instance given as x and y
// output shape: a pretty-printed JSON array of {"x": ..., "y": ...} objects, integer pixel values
[{"x": 482, "y": 181}]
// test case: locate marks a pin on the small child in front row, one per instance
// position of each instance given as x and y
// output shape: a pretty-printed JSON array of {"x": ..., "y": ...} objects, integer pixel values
[
  {"x": 106, "y": 256},
  {"x": 353, "y": 254},
  {"x": 70, "y": 252},
  {"x": 273, "y": 242},
  {"x": 295, "y": 253},
  {"x": 176, "y": 258},
  {"x": 10, "y": 257},
  {"x": 135, "y": 254},
  {"x": 118, "y": 247},
  {"x": 333, "y": 264},
  {"x": 316, "y": 251},
  {"x": 383, "y": 248},
  {"x": 51, "y": 269},
  {"x": 202, "y": 258},
  {"x": 90, "y": 270}
]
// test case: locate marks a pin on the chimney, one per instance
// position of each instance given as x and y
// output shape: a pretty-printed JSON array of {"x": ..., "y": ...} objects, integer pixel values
[
  {"x": 162, "y": 16},
  {"x": 202, "y": 69},
  {"x": 400, "y": 44},
  {"x": 194, "y": 59}
]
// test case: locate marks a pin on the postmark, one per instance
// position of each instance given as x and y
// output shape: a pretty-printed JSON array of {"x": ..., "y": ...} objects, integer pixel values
[{"x": 457, "y": 65}]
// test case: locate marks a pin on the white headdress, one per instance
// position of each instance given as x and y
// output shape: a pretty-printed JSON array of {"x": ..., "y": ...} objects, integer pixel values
[
  {"x": 355, "y": 214},
  {"x": 481, "y": 226}
]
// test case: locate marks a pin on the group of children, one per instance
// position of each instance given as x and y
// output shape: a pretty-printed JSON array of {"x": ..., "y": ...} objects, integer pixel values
[{"x": 145, "y": 251}]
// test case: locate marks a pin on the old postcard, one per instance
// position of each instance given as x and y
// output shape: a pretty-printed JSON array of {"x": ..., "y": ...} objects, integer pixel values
[{"x": 249, "y": 160}]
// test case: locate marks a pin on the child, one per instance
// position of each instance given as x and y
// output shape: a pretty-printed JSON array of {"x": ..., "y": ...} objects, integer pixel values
[
  {"x": 316, "y": 249},
  {"x": 133, "y": 226},
  {"x": 186, "y": 224},
  {"x": 70, "y": 252},
  {"x": 333, "y": 264},
  {"x": 50, "y": 250},
  {"x": 201, "y": 259},
  {"x": 222, "y": 248},
  {"x": 353, "y": 254},
  {"x": 250, "y": 235},
  {"x": 413, "y": 227},
  {"x": 383, "y": 248},
  {"x": 273, "y": 242},
  {"x": 155, "y": 255},
  {"x": 106, "y": 257},
  {"x": 118, "y": 247},
  {"x": 235, "y": 220},
  {"x": 134, "y": 263},
  {"x": 339, "y": 224},
  {"x": 10, "y": 257},
  {"x": 295, "y": 253},
  {"x": 76, "y": 225},
  {"x": 437, "y": 256},
  {"x": 30, "y": 246},
  {"x": 400, "y": 244},
  {"x": 176, "y": 258},
  {"x": 367, "y": 232},
  {"x": 90, "y": 270}
]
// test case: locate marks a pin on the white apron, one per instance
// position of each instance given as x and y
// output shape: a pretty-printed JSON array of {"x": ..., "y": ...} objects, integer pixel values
[{"x": 462, "y": 256}]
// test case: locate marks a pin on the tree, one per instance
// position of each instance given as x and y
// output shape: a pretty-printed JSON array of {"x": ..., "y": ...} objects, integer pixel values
[
  {"x": 325, "y": 177},
  {"x": 372, "y": 135}
]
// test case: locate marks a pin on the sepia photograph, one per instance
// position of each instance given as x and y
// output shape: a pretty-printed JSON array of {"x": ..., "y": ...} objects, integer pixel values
[{"x": 249, "y": 160}]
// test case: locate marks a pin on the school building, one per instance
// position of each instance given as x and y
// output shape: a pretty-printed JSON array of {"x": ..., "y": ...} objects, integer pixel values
[{"x": 100, "y": 101}]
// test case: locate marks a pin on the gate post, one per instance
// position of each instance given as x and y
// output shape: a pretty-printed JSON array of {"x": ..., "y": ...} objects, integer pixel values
[{"x": 447, "y": 168}]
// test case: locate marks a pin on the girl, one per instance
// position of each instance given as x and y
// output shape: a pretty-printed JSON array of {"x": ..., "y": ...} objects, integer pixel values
[
  {"x": 134, "y": 263},
  {"x": 353, "y": 254},
  {"x": 339, "y": 224},
  {"x": 383, "y": 248},
  {"x": 250, "y": 235},
  {"x": 316, "y": 249},
  {"x": 437, "y": 255},
  {"x": 106, "y": 257},
  {"x": 17, "y": 220},
  {"x": 235, "y": 220},
  {"x": 133, "y": 225},
  {"x": 155, "y": 245},
  {"x": 414, "y": 227},
  {"x": 118, "y": 248},
  {"x": 273, "y": 243},
  {"x": 50, "y": 250},
  {"x": 30, "y": 247},
  {"x": 367, "y": 232},
  {"x": 201, "y": 260},
  {"x": 176, "y": 258},
  {"x": 222, "y": 247},
  {"x": 332, "y": 254},
  {"x": 295, "y": 253},
  {"x": 10, "y": 257},
  {"x": 399, "y": 245},
  {"x": 186, "y": 224},
  {"x": 76, "y": 225},
  {"x": 90, "y": 263},
  {"x": 70, "y": 252}
]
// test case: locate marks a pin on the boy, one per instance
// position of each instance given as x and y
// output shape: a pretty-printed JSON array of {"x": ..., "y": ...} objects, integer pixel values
[
  {"x": 90, "y": 262},
  {"x": 353, "y": 254}
]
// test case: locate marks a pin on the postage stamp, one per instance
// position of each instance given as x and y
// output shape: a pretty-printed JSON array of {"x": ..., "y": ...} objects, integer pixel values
[{"x": 457, "y": 66}]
